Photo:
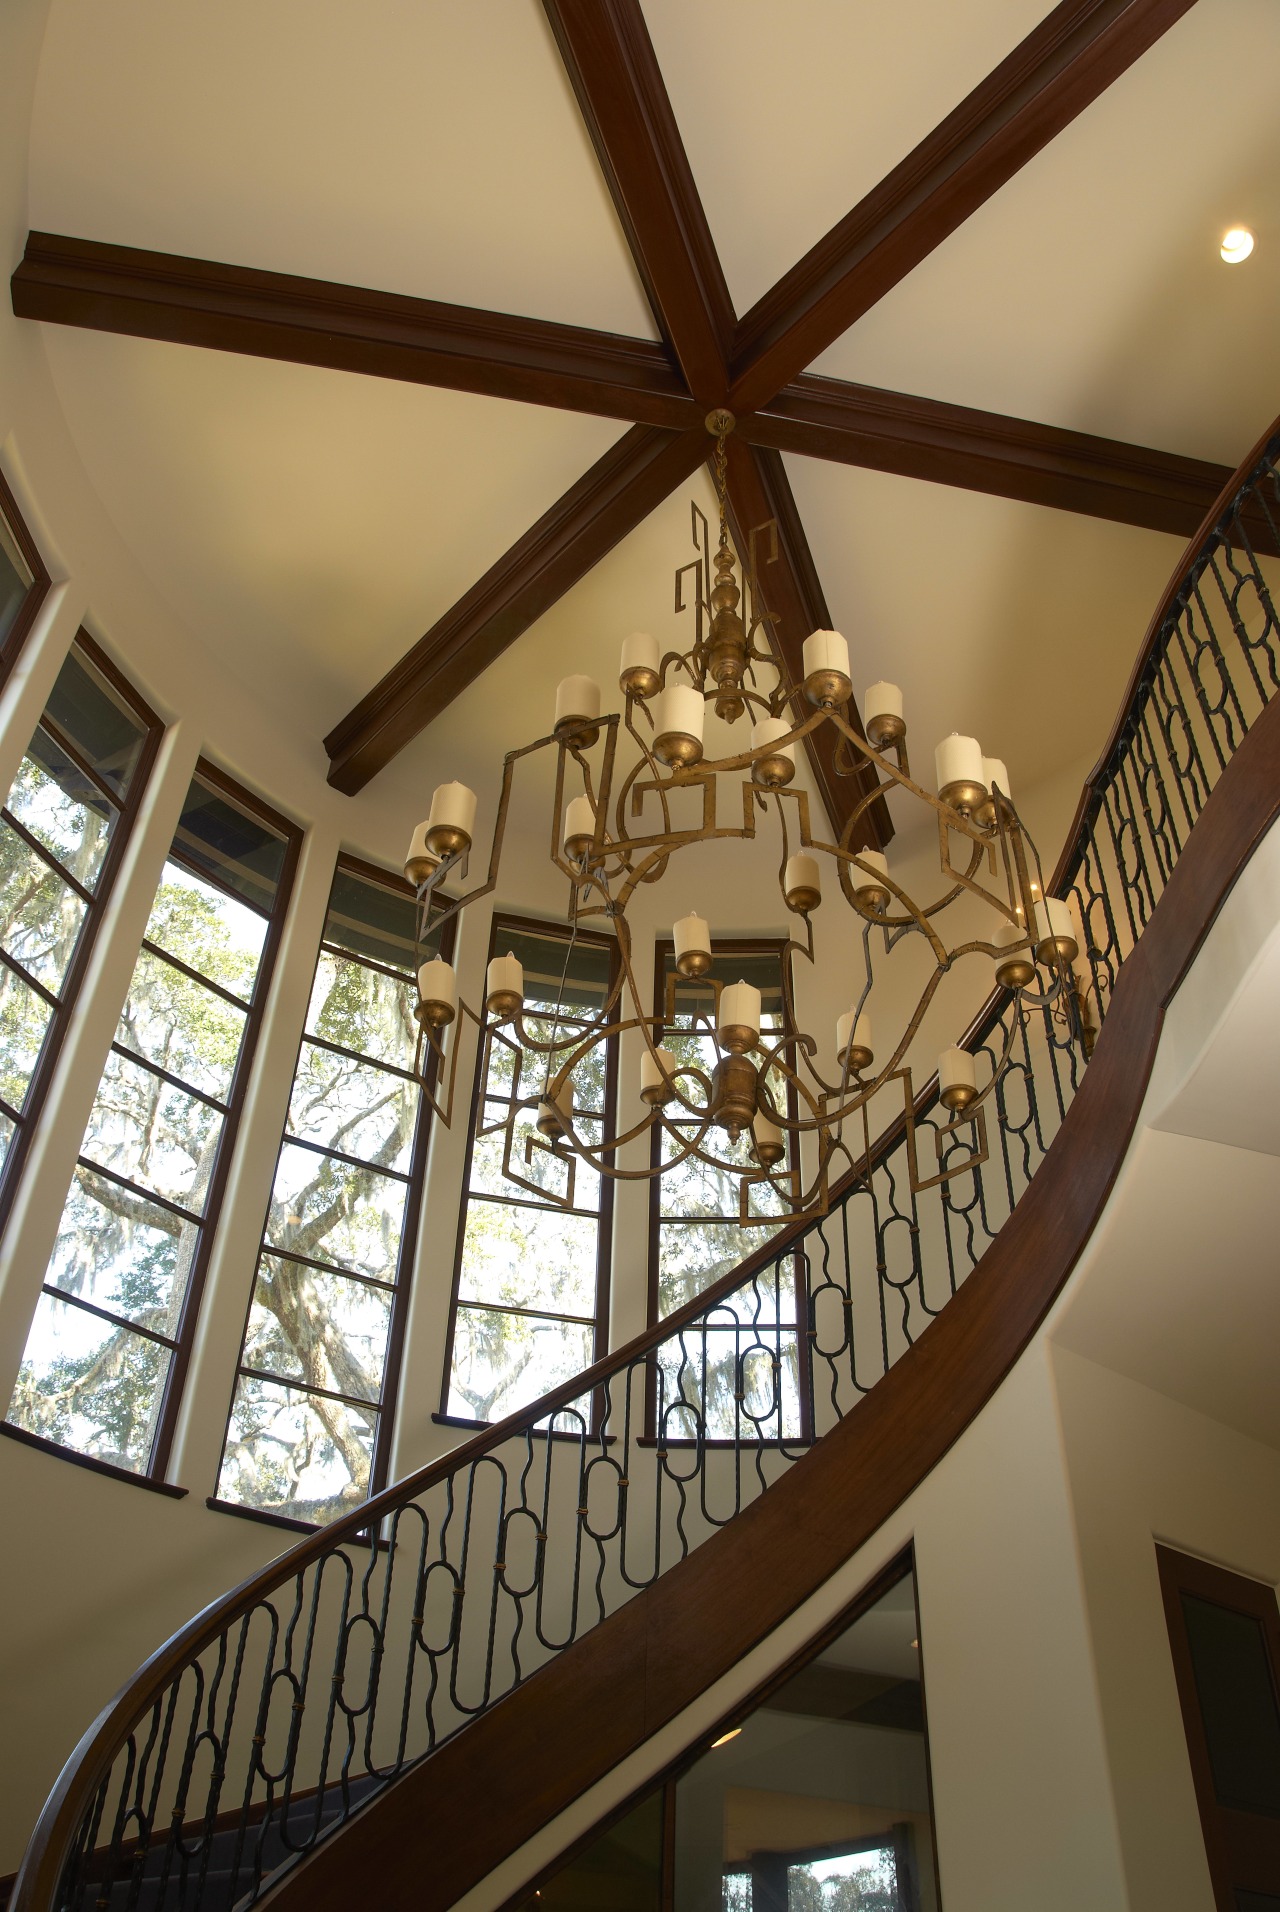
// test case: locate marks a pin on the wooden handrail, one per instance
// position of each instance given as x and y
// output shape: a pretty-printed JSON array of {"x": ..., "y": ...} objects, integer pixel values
[{"x": 1093, "y": 1155}]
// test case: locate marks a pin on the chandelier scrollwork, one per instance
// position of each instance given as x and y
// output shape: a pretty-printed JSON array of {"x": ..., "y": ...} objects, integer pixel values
[{"x": 620, "y": 779}]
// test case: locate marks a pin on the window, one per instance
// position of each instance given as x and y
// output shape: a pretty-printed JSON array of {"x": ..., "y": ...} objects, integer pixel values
[
  {"x": 24, "y": 580},
  {"x": 750, "y": 1352},
  {"x": 307, "y": 1435},
  {"x": 106, "y": 1353},
  {"x": 532, "y": 1282},
  {"x": 62, "y": 833}
]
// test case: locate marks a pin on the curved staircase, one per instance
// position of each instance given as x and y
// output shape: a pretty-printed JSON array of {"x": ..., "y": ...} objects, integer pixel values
[{"x": 514, "y": 1620}]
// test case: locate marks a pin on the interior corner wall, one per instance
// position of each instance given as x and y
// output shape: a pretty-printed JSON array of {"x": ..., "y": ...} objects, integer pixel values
[{"x": 1144, "y": 1468}]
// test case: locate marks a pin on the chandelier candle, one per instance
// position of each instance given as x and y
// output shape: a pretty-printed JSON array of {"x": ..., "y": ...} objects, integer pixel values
[
  {"x": 641, "y": 665},
  {"x": 1015, "y": 971},
  {"x": 693, "y": 945},
  {"x": 504, "y": 987},
  {"x": 779, "y": 766},
  {"x": 653, "y": 1088},
  {"x": 678, "y": 725},
  {"x": 802, "y": 885},
  {"x": 996, "y": 777},
  {"x": 438, "y": 992},
  {"x": 872, "y": 896},
  {"x": 577, "y": 702},
  {"x": 419, "y": 863},
  {"x": 959, "y": 763},
  {"x": 853, "y": 1033},
  {"x": 957, "y": 1079},
  {"x": 738, "y": 1020},
  {"x": 1055, "y": 931},
  {"x": 766, "y": 1140},
  {"x": 882, "y": 717},
  {"x": 826, "y": 669},
  {"x": 579, "y": 828},
  {"x": 452, "y": 821}
]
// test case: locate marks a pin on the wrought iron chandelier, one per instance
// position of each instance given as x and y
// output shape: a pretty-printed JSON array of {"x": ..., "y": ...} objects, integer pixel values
[{"x": 618, "y": 777}]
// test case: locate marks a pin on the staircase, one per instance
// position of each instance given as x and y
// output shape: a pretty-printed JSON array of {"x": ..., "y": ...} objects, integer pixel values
[{"x": 517, "y": 1618}]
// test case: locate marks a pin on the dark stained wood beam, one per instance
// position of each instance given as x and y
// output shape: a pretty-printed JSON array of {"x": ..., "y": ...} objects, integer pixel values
[
  {"x": 758, "y": 492},
  {"x": 611, "y": 64},
  {"x": 983, "y": 451},
  {"x": 227, "y": 308},
  {"x": 607, "y": 502},
  {"x": 1045, "y": 83}
]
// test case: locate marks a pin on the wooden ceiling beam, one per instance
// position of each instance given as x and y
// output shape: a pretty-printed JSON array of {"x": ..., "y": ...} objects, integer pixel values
[
  {"x": 791, "y": 589},
  {"x": 614, "y": 72},
  {"x": 984, "y": 451},
  {"x": 1046, "y": 82},
  {"x": 275, "y": 315},
  {"x": 607, "y": 502}
]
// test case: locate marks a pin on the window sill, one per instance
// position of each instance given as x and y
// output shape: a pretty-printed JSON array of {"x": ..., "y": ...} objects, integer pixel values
[
  {"x": 286, "y": 1521},
  {"x": 745, "y": 1446},
  {"x": 94, "y": 1465},
  {"x": 539, "y": 1433}
]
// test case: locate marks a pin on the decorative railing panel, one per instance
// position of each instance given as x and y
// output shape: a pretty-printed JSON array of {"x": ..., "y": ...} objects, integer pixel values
[{"x": 259, "y": 1729}]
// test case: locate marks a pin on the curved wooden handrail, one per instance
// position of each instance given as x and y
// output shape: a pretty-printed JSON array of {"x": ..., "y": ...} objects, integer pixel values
[
  {"x": 1100, "y": 1134},
  {"x": 487, "y": 1791}
]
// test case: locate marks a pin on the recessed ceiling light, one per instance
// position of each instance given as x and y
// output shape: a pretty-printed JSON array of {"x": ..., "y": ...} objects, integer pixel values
[
  {"x": 726, "y": 1737},
  {"x": 1236, "y": 245}
]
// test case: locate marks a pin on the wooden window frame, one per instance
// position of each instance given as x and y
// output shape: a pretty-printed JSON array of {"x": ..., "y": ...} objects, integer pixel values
[
  {"x": 414, "y": 1178},
  {"x": 1184, "y": 1573},
  {"x": 37, "y": 590},
  {"x": 664, "y": 947},
  {"x": 63, "y": 1011},
  {"x": 530, "y": 925}
]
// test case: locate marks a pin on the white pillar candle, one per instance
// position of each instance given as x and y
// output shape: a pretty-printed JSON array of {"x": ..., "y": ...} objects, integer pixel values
[
  {"x": 767, "y": 1138},
  {"x": 437, "y": 983},
  {"x": 956, "y": 1070},
  {"x": 681, "y": 712},
  {"x": 739, "y": 1007},
  {"x": 505, "y": 976},
  {"x": 1054, "y": 924},
  {"x": 421, "y": 859},
  {"x": 855, "y": 1028},
  {"x": 994, "y": 773},
  {"x": 802, "y": 884},
  {"x": 1012, "y": 972},
  {"x": 640, "y": 654},
  {"x": 881, "y": 700},
  {"x": 653, "y": 1087},
  {"x": 579, "y": 826},
  {"x": 958, "y": 760},
  {"x": 453, "y": 807},
  {"x": 767, "y": 731},
  {"x": 876, "y": 860},
  {"x": 577, "y": 700},
  {"x": 825, "y": 651},
  {"x": 692, "y": 935}
]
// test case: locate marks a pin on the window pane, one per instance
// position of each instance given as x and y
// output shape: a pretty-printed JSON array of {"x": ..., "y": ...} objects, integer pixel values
[
  {"x": 92, "y": 713},
  {"x": 529, "y": 1258},
  {"x": 180, "y": 1026},
  {"x": 122, "y": 1252},
  {"x": 502, "y": 1361},
  {"x": 326, "y": 1330},
  {"x": 54, "y": 800},
  {"x": 372, "y": 921},
  {"x": 230, "y": 845},
  {"x": 353, "y": 1106},
  {"x": 505, "y": 1053},
  {"x": 89, "y": 1385},
  {"x": 333, "y": 1212},
  {"x": 24, "y": 1018},
  {"x": 155, "y": 1134},
  {"x": 543, "y": 1169},
  {"x": 207, "y": 930},
  {"x": 702, "y": 1375},
  {"x": 40, "y": 915},
  {"x": 15, "y": 582},
  {"x": 294, "y": 1453},
  {"x": 363, "y": 1009}
]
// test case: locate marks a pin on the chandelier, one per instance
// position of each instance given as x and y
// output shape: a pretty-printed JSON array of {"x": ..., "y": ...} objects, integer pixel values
[{"x": 799, "y": 1097}]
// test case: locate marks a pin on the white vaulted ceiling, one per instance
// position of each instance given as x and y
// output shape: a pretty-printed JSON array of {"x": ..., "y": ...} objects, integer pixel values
[{"x": 309, "y": 525}]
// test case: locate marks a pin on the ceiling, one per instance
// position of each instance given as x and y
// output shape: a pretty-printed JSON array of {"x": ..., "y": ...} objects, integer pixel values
[{"x": 309, "y": 525}]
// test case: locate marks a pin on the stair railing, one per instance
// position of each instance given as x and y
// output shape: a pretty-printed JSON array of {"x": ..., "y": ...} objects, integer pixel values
[{"x": 263, "y": 1724}]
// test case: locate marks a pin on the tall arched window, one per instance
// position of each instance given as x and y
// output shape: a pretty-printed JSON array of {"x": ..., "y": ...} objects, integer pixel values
[
  {"x": 63, "y": 831},
  {"x": 309, "y": 1430},
  {"x": 108, "y": 1348}
]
